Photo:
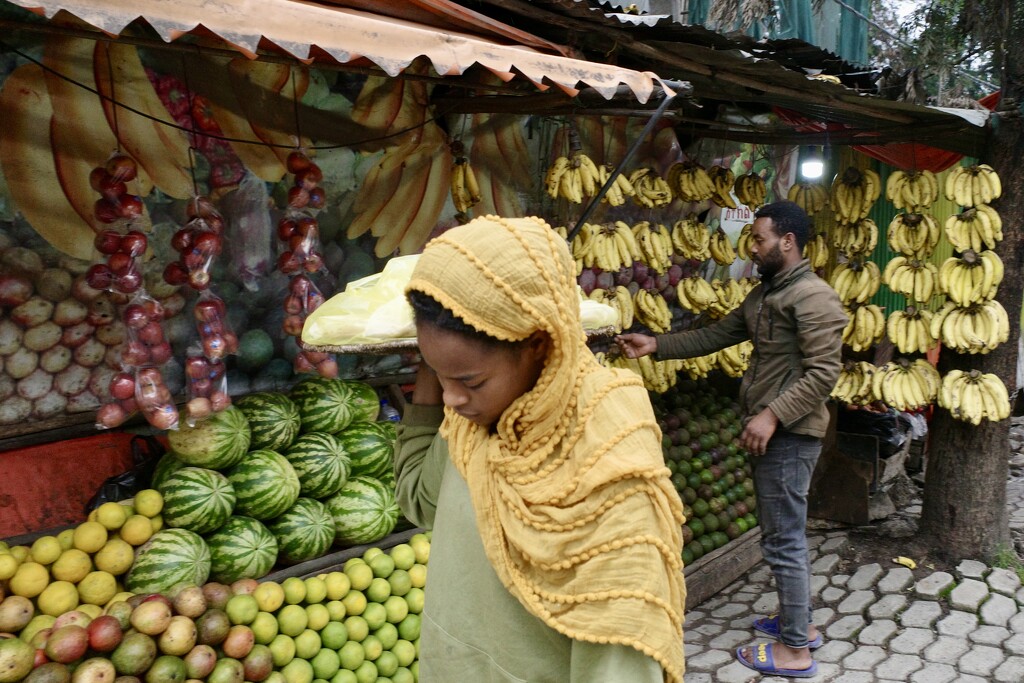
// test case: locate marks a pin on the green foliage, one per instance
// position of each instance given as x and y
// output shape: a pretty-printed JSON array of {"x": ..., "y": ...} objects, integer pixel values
[{"x": 1007, "y": 558}]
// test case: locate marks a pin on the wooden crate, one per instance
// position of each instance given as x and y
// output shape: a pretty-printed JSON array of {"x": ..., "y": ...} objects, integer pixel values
[{"x": 716, "y": 570}]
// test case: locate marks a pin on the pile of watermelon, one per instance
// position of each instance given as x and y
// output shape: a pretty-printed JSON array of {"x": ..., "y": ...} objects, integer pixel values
[{"x": 275, "y": 478}]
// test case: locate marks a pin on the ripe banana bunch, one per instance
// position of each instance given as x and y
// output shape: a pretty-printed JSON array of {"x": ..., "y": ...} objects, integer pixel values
[
  {"x": 855, "y": 383},
  {"x": 978, "y": 328},
  {"x": 747, "y": 284},
  {"x": 976, "y": 228},
  {"x": 751, "y": 190},
  {"x": 611, "y": 247},
  {"x": 691, "y": 239},
  {"x": 974, "y": 396},
  {"x": 972, "y": 278},
  {"x": 651, "y": 189},
  {"x": 855, "y": 281},
  {"x": 973, "y": 185},
  {"x": 811, "y": 197},
  {"x": 733, "y": 361},
  {"x": 562, "y": 232},
  {"x": 728, "y": 295},
  {"x": 913, "y": 234},
  {"x": 865, "y": 328},
  {"x": 618, "y": 191},
  {"x": 853, "y": 193},
  {"x": 743, "y": 242},
  {"x": 816, "y": 251},
  {"x": 655, "y": 244},
  {"x": 464, "y": 186},
  {"x": 582, "y": 246},
  {"x": 913, "y": 278},
  {"x": 722, "y": 178},
  {"x": 910, "y": 330},
  {"x": 912, "y": 191},
  {"x": 695, "y": 294},
  {"x": 907, "y": 385},
  {"x": 721, "y": 248},
  {"x": 856, "y": 238},
  {"x": 658, "y": 376},
  {"x": 621, "y": 300},
  {"x": 690, "y": 182},
  {"x": 700, "y": 366},
  {"x": 572, "y": 178},
  {"x": 651, "y": 310}
]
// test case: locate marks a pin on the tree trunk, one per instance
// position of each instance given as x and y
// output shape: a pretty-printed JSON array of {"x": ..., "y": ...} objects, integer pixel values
[{"x": 964, "y": 513}]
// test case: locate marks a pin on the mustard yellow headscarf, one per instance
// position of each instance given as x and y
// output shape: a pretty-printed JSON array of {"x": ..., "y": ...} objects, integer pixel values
[{"x": 572, "y": 497}]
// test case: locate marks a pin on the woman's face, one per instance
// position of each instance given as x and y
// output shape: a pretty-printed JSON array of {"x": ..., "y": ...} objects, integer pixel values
[{"x": 480, "y": 381}]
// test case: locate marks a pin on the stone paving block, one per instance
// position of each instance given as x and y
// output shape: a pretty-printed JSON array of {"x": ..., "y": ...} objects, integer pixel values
[
  {"x": 856, "y": 602},
  {"x": 692, "y": 649},
  {"x": 968, "y": 678},
  {"x": 818, "y": 583},
  {"x": 839, "y": 579},
  {"x": 744, "y": 622},
  {"x": 1010, "y": 671},
  {"x": 969, "y": 595},
  {"x": 1020, "y": 596},
  {"x": 864, "y": 658},
  {"x": 971, "y": 569},
  {"x": 1016, "y": 623},
  {"x": 743, "y": 597},
  {"x": 878, "y": 632},
  {"x": 946, "y": 650},
  {"x": 715, "y": 602},
  {"x": 854, "y": 677},
  {"x": 708, "y": 628},
  {"x": 822, "y": 615},
  {"x": 691, "y": 635},
  {"x": 833, "y": 651},
  {"x": 729, "y": 611},
  {"x": 1003, "y": 581},
  {"x": 698, "y": 678},
  {"x": 709, "y": 660},
  {"x": 832, "y": 595},
  {"x": 695, "y": 615},
  {"x": 825, "y": 564},
  {"x": 865, "y": 577},
  {"x": 912, "y": 641},
  {"x": 845, "y": 627},
  {"x": 759, "y": 575},
  {"x": 1015, "y": 644},
  {"x": 814, "y": 540},
  {"x": 921, "y": 614},
  {"x": 896, "y": 580},
  {"x": 998, "y": 610},
  {"x": 826, "y": 672},
  {"x": 730, "y": 640},
  {"x": 834, "y": 544},
  {"x": 957, "y": 624},
  {"x": 888, "y": 607},
  {"x": 898, "y": 667},
  {"x": 989, "y": 635},
  {"x": 980, "y": 660},
  {"x": 933, "y": 585},
  {"x": 932, "y": 673},
  {"x": 768, "y": 603},
  {"x": 736, "y": 673}
]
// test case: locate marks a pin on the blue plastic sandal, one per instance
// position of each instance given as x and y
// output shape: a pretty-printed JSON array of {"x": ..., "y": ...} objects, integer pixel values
[
  {"x": 764, "y": 663},
  {"x": 770, "y": 627}
]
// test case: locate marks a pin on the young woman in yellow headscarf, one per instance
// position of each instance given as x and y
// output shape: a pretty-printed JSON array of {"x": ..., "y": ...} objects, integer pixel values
[{"x": 556, "y": 531}]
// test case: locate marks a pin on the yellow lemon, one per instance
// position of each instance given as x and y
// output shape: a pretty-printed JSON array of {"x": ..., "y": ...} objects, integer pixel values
[
  {"x": 66, "y": 539},
  {"x": 29, "y": 580},
  {"x": 4, "y": 548},
  {"x": 149, "y": 502},
  {"x": 122, "y": 596},
  {"x": 97, "y": 588},
  {"x": 360, "y": 575},
  {"x": 93, "y": 514},
  {"x": 72, "y": 565},
  {"x": 111, "y": 515},
  {"x": 269, "y": 596},
  {"x": 158, "y": 522},
  {"x": 316, "y": 590},
  {"x": 57, "y": 598},
  {"x": 115, "y": 557},
  {"x": 338, "y": 585},
  {"x": 90, "y": 536},
  {"x": 8, "y": 565},
  {"x": 45, "y": 550},
  {"x": 137, "y": 530},
  {"x": 294, "y": 590},
  {"x": 20, "y": 552}
]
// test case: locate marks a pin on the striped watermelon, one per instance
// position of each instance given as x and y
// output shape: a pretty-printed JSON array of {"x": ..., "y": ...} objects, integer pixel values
[
  {"x": 365, "y": 402},
  {"x": 241, "y": 549},
  {"x": 218, "y": 442},
  {"x": 321, "y": 463},
  {"x": 197, "y": 499},
  {"x": 273, "y": 419},
  {"x": 325, "y": 405},
  {"x": 369, "y": 447},
  {"x": 304, "y": 532},
  {"x": 364, "y": 511},
  {"x": 265, "y": 483},
  {"x": 165, "y": 466},
  {"x": 171, "y": 558}
]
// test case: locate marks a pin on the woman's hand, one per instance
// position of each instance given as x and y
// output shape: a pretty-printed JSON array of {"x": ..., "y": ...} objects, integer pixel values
[{"x": 427, "y": 391}]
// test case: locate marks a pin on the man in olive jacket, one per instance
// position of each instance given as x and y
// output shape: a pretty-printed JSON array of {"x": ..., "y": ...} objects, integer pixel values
[{"x": 795, "y": 320}]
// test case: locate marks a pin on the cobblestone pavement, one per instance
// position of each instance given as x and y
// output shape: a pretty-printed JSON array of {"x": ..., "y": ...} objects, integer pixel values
[{"x": 879, "y": 623}]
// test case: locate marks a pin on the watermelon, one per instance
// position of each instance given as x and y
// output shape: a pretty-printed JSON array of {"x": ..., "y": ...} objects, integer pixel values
[
  {"x": 241, "y": 549},
  {"x": 364, "y": 511},
  {"x": 273, "y": 420},
  {"x": 304, "y": 532},
  {"x": 165, "y": 466},
  {"x": 369, "y": 447},
  {"x": 321, "y": 463},
  {"x": 218, "y": 442},
  {"x": 265, "y": 483},
  {"x": 197, "y": 499},
  {"x": 171, "y": 558},
  {"x": 365, "y": 402},
  {"x": 325, "y": 405}
]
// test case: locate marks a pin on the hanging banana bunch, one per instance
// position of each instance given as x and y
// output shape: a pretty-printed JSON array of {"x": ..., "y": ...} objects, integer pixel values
[
  {"x": 978, "y": 328},
  {"x": 728, "y": 296},
  {"x": 582, "y": 247},
  {"x": 699, "y": 367},
  {"x": 910, "y": 330},
  {"x": 690, "y": 182},
  {"x": 734, "y": 360},
  {"x": 913, "y": 191},
  {"x": 977, "y": 228},
  {"x": 855, "y": 383},
  {"x": 853, "y": 193},
  {"x": 973, "y": 396},
  {"x": 650, "y": 189},
  {"x": 914, "y": 235},
  {"x": 651, "y": 310},
  {"x": 971, "y": 278},
  {"x": 695, "y": 294},
  {"x": 811, "y": 197},
  {"x": 743, "y": 242},
  {"x": 721, "y": 248},
  {"x": 464, "y": 186},
  {"x": 655, "y": 244},
  {"x": 691, "y": 239},
  {"x": 913, "y": 278},
  {"x": 572, "y": 178},
  {"x": 855, "y": 281},
  {"x": 621, "y": 300},
  {"x": 907, "y": 385},
  {"x": 865, "y": 328},
  {"x": 973, "y": 185},
  {"x": 856, "y": 238},
  {"x": 611, "y": 247},
  {"x": 750, "y": 189},
  {"x": 618, "y": 190},
  {"x": 722, "y": 178},
  {"x": 659, "y": 376}
]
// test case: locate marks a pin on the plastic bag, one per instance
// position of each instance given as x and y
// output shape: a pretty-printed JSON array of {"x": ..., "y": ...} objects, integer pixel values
[
  {"x": 206, "y": 386},
  {"x": 146, "y": 451},
  {"x": 890, "y": 429}
]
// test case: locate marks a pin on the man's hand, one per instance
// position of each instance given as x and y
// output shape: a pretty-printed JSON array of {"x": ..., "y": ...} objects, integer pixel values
[
  {"x": 758, "y": 432},
  {"x": 635, "y": 345},
  {"x": 427, "y": 391}
]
